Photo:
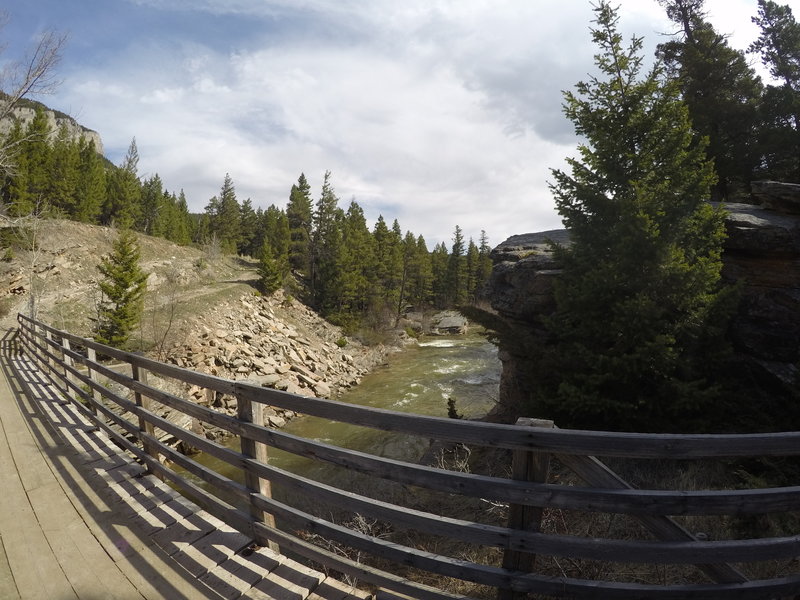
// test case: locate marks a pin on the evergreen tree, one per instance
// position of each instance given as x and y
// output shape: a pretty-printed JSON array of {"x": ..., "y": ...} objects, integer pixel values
[
  {"x": 90, "y": 189},
  {"x": 299, "y": 214},
  {"x": 421, "y": 275},
  {"x": 224, "y": 217},
  {"x": 122, "y": 291},
  {"x": 276, "y": 234},
  {"x": 150, "y": 216},
  {"x": 63, "y": 174},
  {"x": 779, "y": 46},
  {"x": 388, "y": 262},
  {"x": 721, "y": 91},
  {"x": 440, "y": 290},
  {"x": 638, "y": 303},
  {"x": 248, "y": 230},
  {"x": 472, "y": 259},
  {"x": 356, "y": 262},
  {"x": 269, "y": 269},
  {"x": 326, "y": 248},
  {"x": 484, "y": 260},
  {"x": 456, "y": 277},
  {"x": 124, "y": 191},
  {"x": 30, "y": 182}
]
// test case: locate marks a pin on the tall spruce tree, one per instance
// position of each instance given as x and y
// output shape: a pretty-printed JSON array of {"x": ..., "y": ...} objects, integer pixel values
[
  {"x": 91, "y": 186},
  {"x": 124, "y": 193},
  {"x": 122, "y": 291},
  {"x": 638, "y": 305},
  {"x": 779, "y": 46},
  {"x": 326, "y": 247},
  {"x": 721, "y": 91},
  {"x": 457, "y": 276},
  {"x": 299, "y": 213}
]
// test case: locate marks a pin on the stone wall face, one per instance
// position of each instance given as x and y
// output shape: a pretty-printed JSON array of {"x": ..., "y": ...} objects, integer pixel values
[{"x": 762, "y": 253}]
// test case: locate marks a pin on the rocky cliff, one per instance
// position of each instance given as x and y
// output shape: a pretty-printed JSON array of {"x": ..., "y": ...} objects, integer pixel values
[
  {"x": 56, "y": 120},
  {"x": 762, "y": 253}
]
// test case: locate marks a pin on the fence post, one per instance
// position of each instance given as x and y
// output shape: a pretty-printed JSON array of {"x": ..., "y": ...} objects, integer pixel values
[
  {"x": 68, "y": 364},
  {"x": 143, "y": 401},
  {"x": 91, "y": 356},
  {"x": 252, "y": 412},
  {"x": 526, "y": 465}
]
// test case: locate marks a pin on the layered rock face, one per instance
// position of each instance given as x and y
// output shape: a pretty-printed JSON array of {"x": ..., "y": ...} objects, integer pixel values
[
  {"x": 55, "y": 121},
  {"x": 762, "y": 253}
]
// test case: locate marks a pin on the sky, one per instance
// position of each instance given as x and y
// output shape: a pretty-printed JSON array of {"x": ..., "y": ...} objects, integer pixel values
[{"x": 436, "y": 113}]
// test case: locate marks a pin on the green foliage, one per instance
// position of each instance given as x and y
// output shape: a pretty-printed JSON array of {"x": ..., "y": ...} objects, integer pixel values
[
  {"x": 341, "y": 342},
  {"x": 122, "y": 291},
  {"x": 779, "y": 46},
  {"x": 224, "y": 217},
  {"x": 124, "y": 192},
  {"x": 299, "y": 215},
  {"x": 639, "y": 308},
  {"x": 269, "y": 270},
  {"x": 721, "y": 91}
]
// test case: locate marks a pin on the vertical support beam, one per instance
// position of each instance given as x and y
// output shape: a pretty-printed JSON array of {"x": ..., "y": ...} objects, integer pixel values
[
  {"x": 51, "y": 362},
  {"x": 526, "y": 466},
  {"x": 91, "y": 355},
  {"x": 143, "y": 401},
  {"x": 252, "y": 412},
  {"x": 68, "y": 364}
]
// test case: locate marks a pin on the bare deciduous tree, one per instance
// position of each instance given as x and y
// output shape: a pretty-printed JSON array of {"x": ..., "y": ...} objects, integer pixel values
[{"x": 32, "y": 75}]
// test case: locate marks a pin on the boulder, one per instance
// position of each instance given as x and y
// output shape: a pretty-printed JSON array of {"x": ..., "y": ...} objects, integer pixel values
[{"x": 448, "y": 322}]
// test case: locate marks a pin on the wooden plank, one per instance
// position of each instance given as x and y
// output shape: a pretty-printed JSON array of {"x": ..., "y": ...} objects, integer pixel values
[
  {"x": 242, "y": 571},
  {"x": 288, "y": 581},
  {"x": 254, "y": 413},
  {"x": 8, "y": 589}
]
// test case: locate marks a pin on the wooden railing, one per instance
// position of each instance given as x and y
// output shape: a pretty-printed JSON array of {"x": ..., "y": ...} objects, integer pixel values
[{"x": 132, "y": 422}]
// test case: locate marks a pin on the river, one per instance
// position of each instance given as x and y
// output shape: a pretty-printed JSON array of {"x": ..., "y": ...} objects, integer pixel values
[{"x": 419, "y": 379}]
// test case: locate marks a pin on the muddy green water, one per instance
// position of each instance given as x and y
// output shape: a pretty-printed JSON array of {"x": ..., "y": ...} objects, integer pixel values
[{"x": 419, "y": 379}]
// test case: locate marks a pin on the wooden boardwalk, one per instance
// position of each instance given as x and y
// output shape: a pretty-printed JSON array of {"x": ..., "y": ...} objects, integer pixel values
[{"x": 80, "y": 520}]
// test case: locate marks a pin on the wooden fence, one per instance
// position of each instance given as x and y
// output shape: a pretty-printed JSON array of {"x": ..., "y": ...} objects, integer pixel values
[{"x": 131, "y": 419}]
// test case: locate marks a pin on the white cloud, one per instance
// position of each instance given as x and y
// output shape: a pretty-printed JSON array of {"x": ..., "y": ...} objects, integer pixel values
[{"x": 436, "y": 113}]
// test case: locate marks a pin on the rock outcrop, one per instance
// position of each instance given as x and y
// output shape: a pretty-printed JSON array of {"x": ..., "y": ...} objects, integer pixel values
[
  {"x": 762, "y": 253},
  {"x": 55, "y": 121},
  {"x": 251, "y": 340}
]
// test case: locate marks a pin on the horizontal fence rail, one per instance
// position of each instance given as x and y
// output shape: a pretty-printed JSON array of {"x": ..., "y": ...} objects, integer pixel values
[{"x": 129, "y": 407}]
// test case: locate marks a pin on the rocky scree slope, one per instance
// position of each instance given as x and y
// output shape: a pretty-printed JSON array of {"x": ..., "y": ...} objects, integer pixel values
[{"x": 202, "y": 312}]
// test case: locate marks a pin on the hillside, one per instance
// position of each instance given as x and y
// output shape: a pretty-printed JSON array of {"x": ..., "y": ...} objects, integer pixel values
[{"x": 201, "y": 310}]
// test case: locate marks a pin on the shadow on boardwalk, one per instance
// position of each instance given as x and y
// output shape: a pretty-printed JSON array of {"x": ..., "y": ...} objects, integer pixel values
[{"x": 86, "y": 521}]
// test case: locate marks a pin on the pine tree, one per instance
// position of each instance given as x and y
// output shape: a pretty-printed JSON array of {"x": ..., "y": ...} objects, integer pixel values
[
  {"x": 90, "y": 190},
  {"x": 269, "y": 269},
  {"x": 122, "y": 291},
  {"x": 638, "y": 303},
  {"x": 779, "y": 46},
  {"x": 299, "y": 213},
  {"x": 456, "y": 278},
  {"x": 63, "y": 173},
  {"x": 124, "y": 192},
  {"x": 248, "y": 230},
  {"x": 472, "y": 259},
  {"x": 721, "y": 91},
  {"x": 356, "y": 262},
  {"x": 440, "y": 290},
  {"x": 276, "y": 234},
  {"x": 326, "y": 246},
  {"x": 150, "y": 219},
  {"x": 484, "y": 260}
]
